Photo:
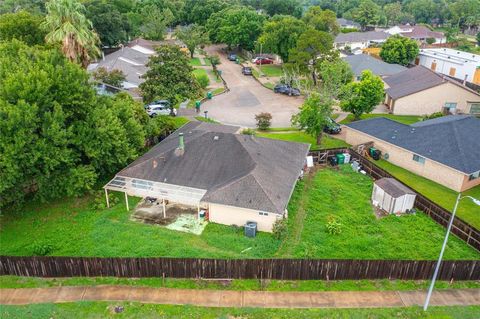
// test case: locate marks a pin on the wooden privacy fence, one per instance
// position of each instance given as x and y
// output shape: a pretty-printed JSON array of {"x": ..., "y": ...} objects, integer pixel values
[
  {"x": 280, "y": 269},
  {"x": 460, "y": 228}
]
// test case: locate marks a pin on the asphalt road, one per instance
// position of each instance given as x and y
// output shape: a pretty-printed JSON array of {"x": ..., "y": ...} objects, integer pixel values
[{"x": 246, "y": 98}]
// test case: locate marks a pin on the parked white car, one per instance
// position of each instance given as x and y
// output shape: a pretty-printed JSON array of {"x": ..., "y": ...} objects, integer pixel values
[{"x": 161, "y": 107}]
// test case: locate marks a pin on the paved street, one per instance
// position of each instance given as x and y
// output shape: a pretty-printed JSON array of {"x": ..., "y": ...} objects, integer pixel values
[
  {"x": 247, "y": 98},
  {"x": 230, "y": 298}
]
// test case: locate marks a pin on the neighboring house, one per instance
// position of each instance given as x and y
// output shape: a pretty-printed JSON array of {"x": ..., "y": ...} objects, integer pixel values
[
  {"x": 362, "y": 62},
  {"x": 359, "y": 40},
  {"x": 348, "y": 24},
  {"x": 418, "y": 33},
  {"x": 445, "y": 150},
  {"x": 420, "y": 91},
  {"x": 460, "y": 65},
  {"x": 236, "y": 178}
]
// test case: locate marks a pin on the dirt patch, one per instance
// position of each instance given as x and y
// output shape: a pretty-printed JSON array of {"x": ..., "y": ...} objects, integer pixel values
[{"x": 152, "y": 213}]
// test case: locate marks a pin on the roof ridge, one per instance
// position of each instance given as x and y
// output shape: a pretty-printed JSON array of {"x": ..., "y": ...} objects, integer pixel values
[
  {"x": 263, "y": 190},
  {"x": 457, "y": 140}
]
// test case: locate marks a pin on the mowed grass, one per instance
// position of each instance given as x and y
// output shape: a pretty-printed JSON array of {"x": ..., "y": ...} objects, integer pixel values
[
  {"x": 74, "y": 228},
  {"x": 271, "y": 70},
  {"x": 404, "y": 119},
  {"x": 345, "y": 195},
  {"x": 88, "y": 309},
  {"x": 440, "y": 194},
  {"x": 302, "y": 137},
  {"x": 196, "y": 62},
  {"x": 199, "y": 72}
]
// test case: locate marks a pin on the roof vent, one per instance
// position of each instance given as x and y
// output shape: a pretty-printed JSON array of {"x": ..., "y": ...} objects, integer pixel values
[{"x": 216, "y": 138}]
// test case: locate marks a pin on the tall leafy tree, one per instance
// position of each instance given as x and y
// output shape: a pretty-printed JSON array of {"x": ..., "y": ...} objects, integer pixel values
[
  {"x": 392, "y": 13},
  {"x": 22, "y": 26},
  {"x": 169, "y": 76},
  {"x": 36, "y": 7},
  {"x": 399, "y": 50},
  {"x": 192, "y": 35},
  {"x": 312, "y": 48},
  {"x": 314, "y": 115},
  {"x": 67, "y": 24},
  {"x": 282, "y": 7},
  {"x": 367, "y": 13},
  {"x": 199, "y": 11},
  {"x": 334, "y": 75},
  {"x": 154, "y": 22},
  {"x": 280, "y": 35},
  {"x": 108, "y": 22},
  {"x": 362, "y": 96},
  {"x": 236, "y": 26},
  {"x": 321, "y": 20},
  {"x": 422, "y": 10}
]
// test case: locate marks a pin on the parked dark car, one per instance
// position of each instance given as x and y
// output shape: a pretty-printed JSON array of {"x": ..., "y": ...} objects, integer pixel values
[
  {"x": 232, "y": 57},
  {"x": 286, "y": 89},
  {"x": 246, "y": 70},
  {"x": 261, "y": 61},
  {"x": 332, "y": 127}
]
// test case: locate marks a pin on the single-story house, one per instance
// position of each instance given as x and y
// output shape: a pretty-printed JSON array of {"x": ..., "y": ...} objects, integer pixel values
[
  {"x": 421, "y": 91},
  {"x": 464, "y": 66},
  {"x": 362, "y": 62},
  {"x": 236, "y": 178},
  {"x": 445, "y": 150},
  {"x": 418, "y": 33},
  {"x": 348, "y": 24},
  {"x": 359, "y": 40}
]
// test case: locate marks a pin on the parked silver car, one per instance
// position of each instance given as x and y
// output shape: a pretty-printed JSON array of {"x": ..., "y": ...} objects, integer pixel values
[{"x": 161, "y": 107}]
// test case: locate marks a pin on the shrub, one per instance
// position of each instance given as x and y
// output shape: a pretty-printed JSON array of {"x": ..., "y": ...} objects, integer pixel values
[
  {"x": 42, "y": 249},
  {"x": 114, "y": 77},
  {"x": 203, "y": 80},
  {"x": 333, "y": 226},
  {"x": 99, "y": 203},
  {"x": 432, "y": 116},
  {"x": 430, "y": 40},
  {"x": 214, "y": 60},
  {"x": 280, "y": 228},
  {"x": 248, "y": 131},
  {"x": 263, "y": 120}
]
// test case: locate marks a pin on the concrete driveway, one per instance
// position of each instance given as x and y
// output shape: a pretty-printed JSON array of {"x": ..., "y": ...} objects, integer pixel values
[{"x": 246, "y": 98}]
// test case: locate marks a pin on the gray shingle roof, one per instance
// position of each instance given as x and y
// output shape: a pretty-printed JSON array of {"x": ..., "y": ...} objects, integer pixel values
[
  {"x": 393, "y": 187},
  {"x": 345, "y": 22},
  {"x": 237, "y": 170},
  {"x": 361, "y": 36},
  {"x": 362, "y": 62},
  {"x": 411, "y": 81},
  {"x": 451, "y": 140}
]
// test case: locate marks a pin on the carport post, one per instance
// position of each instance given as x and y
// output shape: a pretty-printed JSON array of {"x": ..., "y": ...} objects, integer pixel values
[
  {"x": 163, "y": 205},
  {"x": 198, "y": 210},
  {"x": 106, "y": 197},
  {"x": 126, "y": 200}
]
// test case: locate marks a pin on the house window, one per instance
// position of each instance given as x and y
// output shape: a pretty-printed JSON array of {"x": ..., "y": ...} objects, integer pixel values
[
  {"x": 475, "y": 108},
  {"x": 419, "y": 159},
  {"x": 450, "y": 105},
  {"x": 262, "y": 214},
  {"x": 473, "y": 176}
]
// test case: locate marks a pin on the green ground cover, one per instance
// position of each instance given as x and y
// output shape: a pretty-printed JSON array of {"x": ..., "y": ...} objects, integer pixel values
[
  {"x": 405, "y": 119},
  {"x": 195, "y": 62},
  {"x": 236, "y": 284},
  {"x": 218, "y": 90},
  {"x": 72, "y": 227},
  {"x": 207, "y": 120},
  {"x": 137, "y": 310},
  {"x": 302, "y": 137},
  {"x": 269, "y": 85},
  {"x": 271, "y": 70},
  {"x": 440, "y": 194},
  {"x": 199, "y": 72}
]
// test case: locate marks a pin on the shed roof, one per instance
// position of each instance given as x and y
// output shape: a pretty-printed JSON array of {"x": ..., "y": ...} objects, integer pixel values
[
  {"x": 362, "y": 62},
  {"x": 393, "y": 187},
  {"x": 237, "y": 170},
  {"x": 451, "y": 140}
]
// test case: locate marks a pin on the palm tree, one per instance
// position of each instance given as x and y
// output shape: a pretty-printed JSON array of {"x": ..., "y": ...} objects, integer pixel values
[{"x": 66, "y": 23}]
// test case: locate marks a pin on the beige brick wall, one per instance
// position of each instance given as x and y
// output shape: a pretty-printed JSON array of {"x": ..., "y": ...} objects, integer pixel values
[
  {"x": 403, "y": 158},
  {"x": 230, "y": 215},
  {"x": 433, "y": 100}
]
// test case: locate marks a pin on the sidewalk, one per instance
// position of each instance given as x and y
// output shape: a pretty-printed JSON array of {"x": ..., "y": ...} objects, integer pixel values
[{"x": 230, "y": 298}]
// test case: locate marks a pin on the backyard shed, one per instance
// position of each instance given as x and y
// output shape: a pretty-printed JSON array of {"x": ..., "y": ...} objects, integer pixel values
[{"x": 392, "y": 196}]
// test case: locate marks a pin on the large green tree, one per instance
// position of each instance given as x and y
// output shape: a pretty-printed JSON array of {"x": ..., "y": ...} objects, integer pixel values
[
  {"x": 362, "y": 96},
  {"x": 392, "y": 13},
  {"x": 280, "y": 35},
  {"x": 422, "y": 10},
  {"x": 199, "y": 11},
  {"x": 169, "y": 76},
  {"x": 282, "y": 7},
  {"x": 236, "y": 26},
  {"x": 334, "y": 75},
  {"x": 192, "y": 35},
  {"x": 314, "y": 115},
  {"x": 32, "y": 6},
  {"x": 108, "y": 22},
  {"x": 367, "y": 13},
  {"x": 400, "y": 50},
  {"x": 321, "y": 20},
  {"x": 22, "y": 26},
  {"x": 67, "y": 25},
  {"x": 57, "y": 136},
  {"x": 312, "y": 48}
]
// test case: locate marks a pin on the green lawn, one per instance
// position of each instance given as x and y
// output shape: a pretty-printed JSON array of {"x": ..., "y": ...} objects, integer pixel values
[
  {"x": 198, "y": 72},
  {"x": 440, "y": 194},
  {"x": 272, "y": 70},
  {"x": 195, "y": 62},
  {"x": 179, "y": 121},
  {"x": 207, "y": 120},
  {"x": 302, "y": 137},
  {"x": 236, "y": 284},
  {"x": 74, "y": 228},
  {"x": 86, "y": 309},
  {"x": 405, "y": 119}
]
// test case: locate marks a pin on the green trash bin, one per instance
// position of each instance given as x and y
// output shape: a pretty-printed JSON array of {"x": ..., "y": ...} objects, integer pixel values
[
  {"x": 209, "y": 95},
  {"x": 237, "y": 61},
  {"x": 340, "y": 158}
]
